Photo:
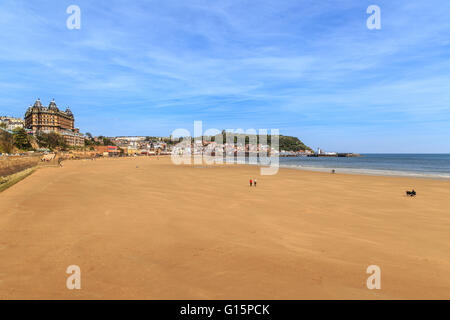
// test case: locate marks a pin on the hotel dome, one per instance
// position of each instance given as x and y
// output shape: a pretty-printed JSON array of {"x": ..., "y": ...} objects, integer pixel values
[{"x": 52, "y": 106}]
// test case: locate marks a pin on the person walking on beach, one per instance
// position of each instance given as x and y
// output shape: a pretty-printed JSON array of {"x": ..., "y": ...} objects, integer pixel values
[
  {"x": 251, "y": 182},
  {"x": 254, "y": 182}
]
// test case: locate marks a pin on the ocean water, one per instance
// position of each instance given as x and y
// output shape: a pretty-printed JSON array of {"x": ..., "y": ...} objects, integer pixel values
[{"x": 415, "y": 165}]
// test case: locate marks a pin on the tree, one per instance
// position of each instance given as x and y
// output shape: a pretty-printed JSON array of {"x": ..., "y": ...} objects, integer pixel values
[
  {"x": 51, "y": 140},
  {"x": 292, "y": 144},
  {"x": 6, "y": 142},
  {"x": 21, "y": 139},
  {"x": 90, "y": 140},
  {"x": 107, "y": 142}
]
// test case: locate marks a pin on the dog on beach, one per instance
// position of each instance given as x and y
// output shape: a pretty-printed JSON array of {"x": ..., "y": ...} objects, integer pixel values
[{"x": 411, "y": 193}]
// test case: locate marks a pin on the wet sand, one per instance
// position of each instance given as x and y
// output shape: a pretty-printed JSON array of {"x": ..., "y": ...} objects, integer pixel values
[{"x": 143, "y": 228}]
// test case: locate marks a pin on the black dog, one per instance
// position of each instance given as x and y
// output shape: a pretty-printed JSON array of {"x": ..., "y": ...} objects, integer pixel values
[{"x": 411, "y": 193}]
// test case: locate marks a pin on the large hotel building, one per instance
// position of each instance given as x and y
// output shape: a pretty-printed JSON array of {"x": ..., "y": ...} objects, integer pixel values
[{"x": 39, "y": 118}]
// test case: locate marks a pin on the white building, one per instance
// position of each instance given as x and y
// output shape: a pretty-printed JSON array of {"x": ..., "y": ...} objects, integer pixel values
[
  {"x": 130, "y": 138},
  {"x": 12, "y": 123}
]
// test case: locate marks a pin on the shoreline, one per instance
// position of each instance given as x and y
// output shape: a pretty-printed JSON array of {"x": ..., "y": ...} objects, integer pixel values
[
  {"x": 350, "y": 171},
  {"x": 372, "y": 172},
  {"x": 345, "y": 171}
]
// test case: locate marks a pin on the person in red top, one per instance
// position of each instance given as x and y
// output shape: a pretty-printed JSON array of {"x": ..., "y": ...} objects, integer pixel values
[{"x": 251, "y": 182}]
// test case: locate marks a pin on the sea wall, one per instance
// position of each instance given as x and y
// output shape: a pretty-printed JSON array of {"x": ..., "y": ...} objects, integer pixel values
[{"x": 12, "y": 165}]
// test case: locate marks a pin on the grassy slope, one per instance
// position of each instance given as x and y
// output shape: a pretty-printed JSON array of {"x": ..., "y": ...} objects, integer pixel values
[{"x": 6, "y": 182}]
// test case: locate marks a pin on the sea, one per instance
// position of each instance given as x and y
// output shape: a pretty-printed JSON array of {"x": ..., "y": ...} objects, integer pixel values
[{"x": 413, "y": 165}]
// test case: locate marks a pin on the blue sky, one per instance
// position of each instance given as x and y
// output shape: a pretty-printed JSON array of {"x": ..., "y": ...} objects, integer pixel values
[{"x": 309, "y": 68}]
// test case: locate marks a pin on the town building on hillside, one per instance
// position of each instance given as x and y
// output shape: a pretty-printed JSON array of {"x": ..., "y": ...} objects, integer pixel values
[
  {"x": 107, "y": 150},
  {"x": 39, "y": 118},
  {"x": 12, "y": 123},
  {"x": 73, "y": 138},
  {"x": 131, "y": 138}
]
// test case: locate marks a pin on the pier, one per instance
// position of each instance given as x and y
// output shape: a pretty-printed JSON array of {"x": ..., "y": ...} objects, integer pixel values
[{"x": 339, "y": 155}]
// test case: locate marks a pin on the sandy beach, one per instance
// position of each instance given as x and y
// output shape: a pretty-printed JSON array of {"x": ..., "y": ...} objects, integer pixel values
[{"x": 143, "y": 228}]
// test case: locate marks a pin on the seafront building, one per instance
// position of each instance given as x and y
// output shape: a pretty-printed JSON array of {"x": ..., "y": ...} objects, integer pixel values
[
  {"x": 12, "y": 123},
  {"x": 133, "y": 138},
  {"x": 39, "y": 118}
]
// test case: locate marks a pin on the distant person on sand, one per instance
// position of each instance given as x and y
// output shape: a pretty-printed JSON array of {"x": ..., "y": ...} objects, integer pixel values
[
  {"x": 254, "y": 182},
  {"x": 251, "y": 182}
]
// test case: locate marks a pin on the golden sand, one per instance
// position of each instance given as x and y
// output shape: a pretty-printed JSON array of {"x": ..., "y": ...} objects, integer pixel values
[{"x": 143, "y": 228}]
